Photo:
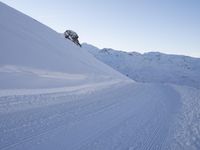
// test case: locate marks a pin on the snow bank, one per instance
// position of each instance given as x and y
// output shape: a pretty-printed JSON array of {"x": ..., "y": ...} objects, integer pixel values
[
  {"x": 43, "y": 54},
  {"x": 187, "y": 123}
]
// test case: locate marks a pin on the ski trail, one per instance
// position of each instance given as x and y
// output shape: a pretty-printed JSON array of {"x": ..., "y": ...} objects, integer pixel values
[
  {"x": 21, "y": 99},
  {"x": 145, "y": 128},
  {"x": 39, "y": 114},
  {"x": 117, "y": 118},
  {"x": 76, "y": 88}
]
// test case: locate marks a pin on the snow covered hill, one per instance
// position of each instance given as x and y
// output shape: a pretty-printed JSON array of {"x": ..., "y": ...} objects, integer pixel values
[
  {"x": 151, "y": 67},
  {"x": 55, "y": 95},
  {"x": 33, "y": 55}
]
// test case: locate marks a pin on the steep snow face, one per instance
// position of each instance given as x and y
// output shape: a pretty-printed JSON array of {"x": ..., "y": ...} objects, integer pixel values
[
  {"x": 33, "y": 55},
  {"x": 151, "y": 67}
]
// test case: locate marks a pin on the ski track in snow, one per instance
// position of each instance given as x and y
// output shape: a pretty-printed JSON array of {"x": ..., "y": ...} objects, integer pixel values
[
  {"x": 18, "y": 99},
  {"x": 117, "y": 118}
]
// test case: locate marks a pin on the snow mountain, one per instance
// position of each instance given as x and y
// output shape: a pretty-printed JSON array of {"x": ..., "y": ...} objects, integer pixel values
[
  {"x": 56, "y": 95},
  {"x": 39, "y": 57},
  {"x": 152, "y": 67}
]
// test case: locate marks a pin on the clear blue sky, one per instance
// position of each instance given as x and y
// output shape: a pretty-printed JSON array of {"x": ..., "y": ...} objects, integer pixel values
[{"x": 169, "y": 26}]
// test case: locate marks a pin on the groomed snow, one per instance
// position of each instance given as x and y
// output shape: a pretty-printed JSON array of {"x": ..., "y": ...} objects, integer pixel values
[
  {"x": 118, "y": 116},
  {"x": 35, "y": 56},
  {"x": 55, "y": 95}
]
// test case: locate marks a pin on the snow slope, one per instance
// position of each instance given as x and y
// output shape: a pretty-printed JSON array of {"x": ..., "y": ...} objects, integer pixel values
[
  {"x": 33, "y": 55},
  {"x": 55, "y": 95},
  {"x": 186, "y": 132},
  {"x": 151, "y": 67},
  {"x": 104, "y": 118},
  {"x": 181, "y": 73}
]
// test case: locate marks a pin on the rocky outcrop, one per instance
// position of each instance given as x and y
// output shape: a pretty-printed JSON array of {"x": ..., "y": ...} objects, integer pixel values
[{"x": 73, "y": 36}]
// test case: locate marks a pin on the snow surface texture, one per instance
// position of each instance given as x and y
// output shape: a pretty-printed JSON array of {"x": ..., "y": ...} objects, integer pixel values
[
  {"x": 151, "y": 67},
  {"x": 103, "y": 118},
  {"x": 55, "y": 95},
  {"x": 187, "y": 135}
]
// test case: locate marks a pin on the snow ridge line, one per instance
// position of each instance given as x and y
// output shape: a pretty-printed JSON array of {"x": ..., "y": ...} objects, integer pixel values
[
  {"x": 14, "y": 100},
  {"x": 87, "y": 87}
]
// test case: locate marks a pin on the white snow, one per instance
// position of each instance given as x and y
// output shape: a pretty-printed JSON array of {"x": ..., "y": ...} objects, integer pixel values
[
  {"x": 111, "y": 118},
  {"x": 151, "y": 67},
  {"x": 55, "y": 95},
  {"x": 187, "y": 125},
  {"x": 32, "y": 50}
]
